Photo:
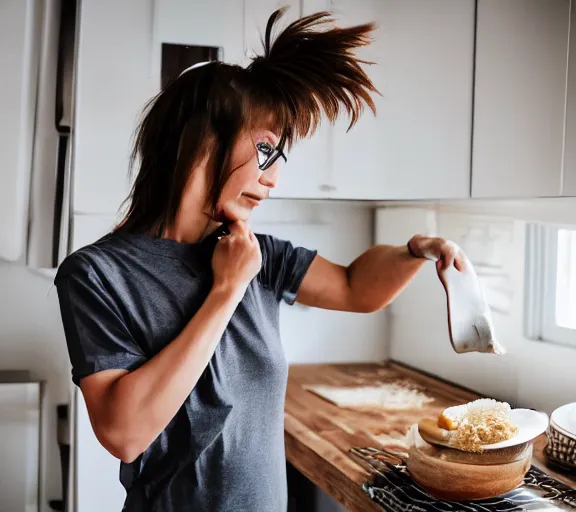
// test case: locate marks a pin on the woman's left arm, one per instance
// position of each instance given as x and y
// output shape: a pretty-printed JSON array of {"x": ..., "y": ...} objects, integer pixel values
[{"x": 376, "y": 277}]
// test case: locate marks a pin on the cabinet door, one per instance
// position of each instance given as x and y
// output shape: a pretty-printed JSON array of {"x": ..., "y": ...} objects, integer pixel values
[
  {"x": 113, "y": 82},
  {"x": 569, "y": 185},
  {"x": 307, "y": 174},
  {"x": 19, "y": 39},
  {"x": 418, "y": 145},
  {"x": 520, "y": 85}
]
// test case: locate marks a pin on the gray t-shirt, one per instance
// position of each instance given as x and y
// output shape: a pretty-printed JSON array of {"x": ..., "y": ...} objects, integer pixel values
[{"x": 126, "y": 297}]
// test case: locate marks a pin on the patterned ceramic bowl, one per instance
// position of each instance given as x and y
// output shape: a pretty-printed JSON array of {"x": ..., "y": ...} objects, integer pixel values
[{"x": 561, "y": 434}]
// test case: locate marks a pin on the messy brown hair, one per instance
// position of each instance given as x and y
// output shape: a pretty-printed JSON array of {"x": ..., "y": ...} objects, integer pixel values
[{"x": 307, "y": 70}]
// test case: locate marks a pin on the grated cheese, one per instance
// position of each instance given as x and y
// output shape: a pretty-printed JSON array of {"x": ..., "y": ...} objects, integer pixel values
[{"x": 484, "y": 421}]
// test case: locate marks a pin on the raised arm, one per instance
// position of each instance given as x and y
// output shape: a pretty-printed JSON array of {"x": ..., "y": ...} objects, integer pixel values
[{"x": 375, "y": 278}]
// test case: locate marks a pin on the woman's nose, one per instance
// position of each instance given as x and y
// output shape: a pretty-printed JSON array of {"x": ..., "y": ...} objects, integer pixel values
[{"x": 269, "y": 177}]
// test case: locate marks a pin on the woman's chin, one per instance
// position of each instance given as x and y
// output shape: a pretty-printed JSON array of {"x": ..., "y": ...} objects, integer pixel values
[{"x": 235, "y": 214}]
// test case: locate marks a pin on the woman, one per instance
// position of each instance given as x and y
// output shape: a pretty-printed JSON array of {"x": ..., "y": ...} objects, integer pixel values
[{"x": 172, "y": 320}]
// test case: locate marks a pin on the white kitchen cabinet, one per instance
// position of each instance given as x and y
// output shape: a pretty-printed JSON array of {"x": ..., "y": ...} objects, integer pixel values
[
  {"x": 20, "y": 28},
  {"x": 418, "y": 145},
  {"x": 519, "y": 100},
  {"x": 308, "y": 172},
  {"x": 113, "y": 82},
  {"x": 569, "y": 185}
]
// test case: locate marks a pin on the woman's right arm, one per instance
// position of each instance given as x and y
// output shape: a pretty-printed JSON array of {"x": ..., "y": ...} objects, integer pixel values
[{"x": 128, "y": 410}]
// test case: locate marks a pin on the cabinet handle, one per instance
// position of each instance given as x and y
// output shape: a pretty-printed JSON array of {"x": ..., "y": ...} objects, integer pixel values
[{"x": 327, "y": 188}]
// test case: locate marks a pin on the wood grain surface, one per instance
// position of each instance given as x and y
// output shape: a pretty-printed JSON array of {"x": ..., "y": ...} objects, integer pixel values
[{"x": 319, "y": 434}]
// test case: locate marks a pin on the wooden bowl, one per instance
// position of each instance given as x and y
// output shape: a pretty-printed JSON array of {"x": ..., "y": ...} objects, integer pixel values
[{"x": 451, "y": 475}]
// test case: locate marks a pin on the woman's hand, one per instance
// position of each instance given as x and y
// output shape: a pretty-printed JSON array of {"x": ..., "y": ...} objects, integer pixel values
[
  {"x": 236, "y": 260},
  {"x": 444, "y": 252}
]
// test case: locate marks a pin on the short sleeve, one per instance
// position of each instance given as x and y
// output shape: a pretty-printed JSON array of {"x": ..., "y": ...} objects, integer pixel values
[
  {"x": 284, "y": 266},
  {"x": 97, "y": 337}
]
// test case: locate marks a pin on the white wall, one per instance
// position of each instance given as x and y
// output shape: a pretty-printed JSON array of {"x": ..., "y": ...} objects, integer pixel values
[
  {"x": 340, "y": 231},
  {"x": 31, "y": 338},
  {"x": 531, "y": 374}
]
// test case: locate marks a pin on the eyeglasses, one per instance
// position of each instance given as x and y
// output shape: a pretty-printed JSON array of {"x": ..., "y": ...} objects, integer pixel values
[{"x": 268, "y": 155}]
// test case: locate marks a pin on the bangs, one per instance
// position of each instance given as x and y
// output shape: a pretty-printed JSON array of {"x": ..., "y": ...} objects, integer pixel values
[{"x": 263, "y": 113}]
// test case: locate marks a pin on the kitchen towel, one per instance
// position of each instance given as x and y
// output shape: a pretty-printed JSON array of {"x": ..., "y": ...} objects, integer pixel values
[{"x": 469, "y": 319}]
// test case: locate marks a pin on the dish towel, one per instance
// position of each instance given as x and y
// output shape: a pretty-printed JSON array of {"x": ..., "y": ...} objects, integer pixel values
[{"x": 469, "y": 319}]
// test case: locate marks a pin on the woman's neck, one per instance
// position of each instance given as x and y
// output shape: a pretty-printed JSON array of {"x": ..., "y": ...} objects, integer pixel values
[{"x": 190, "y": 228}]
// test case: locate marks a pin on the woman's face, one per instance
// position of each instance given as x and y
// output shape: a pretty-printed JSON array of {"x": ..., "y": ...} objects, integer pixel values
[{"x": 247, "y": 184}]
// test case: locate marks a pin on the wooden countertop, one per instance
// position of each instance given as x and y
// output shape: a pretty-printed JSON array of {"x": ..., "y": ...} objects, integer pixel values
[{"x": 319, "y": 434}]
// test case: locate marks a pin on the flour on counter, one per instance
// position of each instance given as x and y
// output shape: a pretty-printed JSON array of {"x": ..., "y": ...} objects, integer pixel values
[{"x": 394, "y": 395}]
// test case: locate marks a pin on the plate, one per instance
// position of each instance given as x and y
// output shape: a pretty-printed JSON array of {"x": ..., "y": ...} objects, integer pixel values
[
  {"x": 530, "y": 425},
  {"x": 564, "y": 418}
]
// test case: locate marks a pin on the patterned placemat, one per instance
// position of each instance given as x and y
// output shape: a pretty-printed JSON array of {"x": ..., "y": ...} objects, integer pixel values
[{"x": 394, "y": 490}]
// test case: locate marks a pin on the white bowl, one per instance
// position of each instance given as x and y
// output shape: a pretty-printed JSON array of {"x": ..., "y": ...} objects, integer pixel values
[{"x": 564, "y": 419}]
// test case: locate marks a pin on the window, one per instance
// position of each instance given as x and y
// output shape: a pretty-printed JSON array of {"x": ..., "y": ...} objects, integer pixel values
[{"x": 551, "y": 284}]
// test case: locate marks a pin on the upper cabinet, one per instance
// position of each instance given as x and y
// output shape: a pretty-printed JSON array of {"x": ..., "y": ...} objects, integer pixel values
[
  {"x": 20, "y": 28},
  {"x": 114, "y": 79},
  {"x": 472, "y": 95},
  {"x": 418, "y": 145},
  {"x": 478, "y": 97},
  {"x": 519, "y": 98},
  {"x": 569, "y": 185}
]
